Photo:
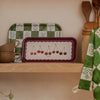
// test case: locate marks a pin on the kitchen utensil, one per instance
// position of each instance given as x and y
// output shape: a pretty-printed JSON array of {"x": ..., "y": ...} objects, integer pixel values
[
  {"x": 86, "y": 8},
  {"x": 48, "y": 49},
  {"x": 87, "y": 30},
  {"x": 9, "y": 46},
  {"x": 90, "y": 25},
  {"x": 6, "y": 57},
  {"x": 21, "y": 31},
  {"x": 86, "y": 33},
  {"x": 96, "y": 4}
]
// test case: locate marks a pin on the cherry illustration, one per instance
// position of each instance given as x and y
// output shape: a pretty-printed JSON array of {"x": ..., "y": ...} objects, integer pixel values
[
  {"x": 49, "y": 53},
  {"x": 46, "y": 53},
  {"x": 60, "y": 53},
  {"x": 38, "y": 51},
  {"x": 34, "y": 53},
  {"x": 53, "y": 51},
  {"x": 65, "y": 53},
  {"x": 57, "y": 51},
  {"x": 31, "y": 53},
  {"x": 42, "y": 52}
]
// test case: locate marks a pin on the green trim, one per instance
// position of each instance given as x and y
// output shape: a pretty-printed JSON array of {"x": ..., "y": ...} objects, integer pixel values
[
  {"x": 19, "y": 35},
  {"x": 88, "y": 62},
  {"x": 97, "y": 41},
  {"x": 27, "y": 27},
  {"x": 50, "y": 34},
  {"x": 96, "y": 76},
  {"x": 97, "y": 93},
  {"x": 97, "y": 58},
  {"x": 13, "y": 27},
  {"x": 57, "y": 27},
  {"x": 43, "y": 27},
  {"x": 84, "y": 84},
  {"x": 18, "y": 50},
  {"x": 34, "y": 34}
]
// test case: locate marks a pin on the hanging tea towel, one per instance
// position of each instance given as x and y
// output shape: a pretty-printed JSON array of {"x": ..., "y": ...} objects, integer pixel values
[{"x": 90, "y": 77}]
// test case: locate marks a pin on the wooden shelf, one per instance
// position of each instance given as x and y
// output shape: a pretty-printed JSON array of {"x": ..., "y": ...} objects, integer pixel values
[{"x": 40, "y": 67}]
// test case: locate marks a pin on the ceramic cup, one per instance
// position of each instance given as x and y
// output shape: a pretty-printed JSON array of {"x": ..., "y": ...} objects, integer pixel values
[
  {"x": 6, "y": 57},
  {"x": 9, "y": 47}
]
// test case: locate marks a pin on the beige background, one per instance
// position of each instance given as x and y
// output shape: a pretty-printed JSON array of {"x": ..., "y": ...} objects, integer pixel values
[{"x": 68, "y": 14}]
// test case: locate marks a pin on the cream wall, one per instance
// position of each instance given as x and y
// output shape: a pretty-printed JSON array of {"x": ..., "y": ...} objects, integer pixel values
[{"x": 68, "y": 14}]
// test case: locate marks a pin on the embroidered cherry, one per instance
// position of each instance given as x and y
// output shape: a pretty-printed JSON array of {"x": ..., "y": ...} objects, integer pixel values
[
  {"x": 65, "y": 53},
  {"x": 57, "y": 51},
  {"x": 31, "y": 53},
  {"x": 46, "y": 53},
  {"x": 53, "y": 51},
  {"x": 60, "y": 53},
  {"x": 34, "y": 53},
  {"x": 34, "y": 50},
  {"x": 49, "y": 53},
  {"x": 38, "y": 51},
  {"x": 42, "y": 52}
]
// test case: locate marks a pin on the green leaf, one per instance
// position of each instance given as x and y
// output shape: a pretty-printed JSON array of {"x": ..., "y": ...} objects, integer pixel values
[{"x": 11, "y": 95}]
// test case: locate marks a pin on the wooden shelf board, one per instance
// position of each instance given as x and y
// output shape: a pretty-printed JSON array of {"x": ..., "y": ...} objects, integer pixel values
[{"x": 40, "y": 67}]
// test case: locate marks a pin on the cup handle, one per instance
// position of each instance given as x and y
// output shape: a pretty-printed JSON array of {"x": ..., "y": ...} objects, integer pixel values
[
  {"x": 17, "y": 54},
  {"x": 17, "y": 43}
]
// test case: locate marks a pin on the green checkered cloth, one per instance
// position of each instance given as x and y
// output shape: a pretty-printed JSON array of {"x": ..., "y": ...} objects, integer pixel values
[
  {"x": 22, "y": 31},
  {"x": 90, "y": 77}
]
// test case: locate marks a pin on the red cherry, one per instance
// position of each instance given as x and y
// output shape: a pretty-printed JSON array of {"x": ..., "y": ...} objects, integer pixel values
[
  {"x": 42, "y": 52},
  {"x": 53, "y": 51},
  {"x": 57, "y": 51},
  {"x": 49, "y": 53},
  {"x": 38, "y": 51},
  {"x": 60, "y": 53},
  {"x": 46, "y": 53},
  {"x": 31, "y": 53},
  {"x": 65, "y": 53},
  {"x": 34, "y": 53}
]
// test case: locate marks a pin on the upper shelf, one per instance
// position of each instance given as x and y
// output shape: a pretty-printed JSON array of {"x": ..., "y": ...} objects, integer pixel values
[{"x": 40, "y": 67}]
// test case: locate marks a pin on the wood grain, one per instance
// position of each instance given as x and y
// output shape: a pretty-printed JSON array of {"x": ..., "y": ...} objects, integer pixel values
[
  {"x": 96, "y": 14},
  {"x": 86, "y": 8},
  {"x": 85, "y": 41},
  {"x": 91, "y": 25},
  {"x": 40, "y": 67}
]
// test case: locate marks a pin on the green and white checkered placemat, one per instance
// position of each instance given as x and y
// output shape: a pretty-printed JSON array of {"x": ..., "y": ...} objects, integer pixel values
[{"x": 21, "y": 31}]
